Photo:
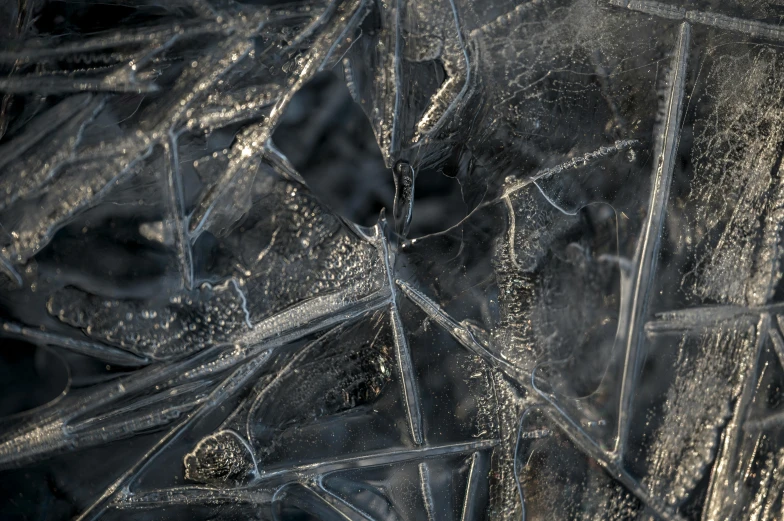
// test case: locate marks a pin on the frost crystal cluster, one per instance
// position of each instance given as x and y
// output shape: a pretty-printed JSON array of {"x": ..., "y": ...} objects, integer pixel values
[{"x": 392, "y": 260}]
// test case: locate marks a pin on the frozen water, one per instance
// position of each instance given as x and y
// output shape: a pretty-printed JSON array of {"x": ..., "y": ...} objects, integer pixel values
[{"x": 400, "y": 259}]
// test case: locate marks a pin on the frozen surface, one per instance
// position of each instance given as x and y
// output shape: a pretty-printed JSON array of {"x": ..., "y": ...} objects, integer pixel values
[{"x": 569, "y": 308}]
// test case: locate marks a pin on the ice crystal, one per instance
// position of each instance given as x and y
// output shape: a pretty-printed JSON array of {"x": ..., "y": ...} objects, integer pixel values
[{"x": 569, "y": 307}]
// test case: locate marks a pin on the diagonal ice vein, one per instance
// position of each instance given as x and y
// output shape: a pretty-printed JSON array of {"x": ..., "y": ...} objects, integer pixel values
[
  {"x": 96, "y": 350},
  {"x": 462, "y": 333}
]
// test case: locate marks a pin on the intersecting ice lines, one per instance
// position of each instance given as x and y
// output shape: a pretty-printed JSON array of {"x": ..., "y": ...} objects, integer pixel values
[
  {"x": 572, "y": 417},
  {"x": 478, "y": 342},
  {"x": 324, "y": 480},
  {"x": 266, "y": 486},
  {"x": 468, "y": 335},
  {"x": 376, "y": 236},
  {"x": 402, "y": 351},
  {"x": 636, "y": 292},
  {"x": 188, "y": 337},
  {"x": 200, "y": 369},
  {"x": 222, "y": 86},
  {"x": 251, "y": 144},
  {"x": 704, "y": 319},
  {"x": 248, "y": 356},
  {"x": 24, "y": 159},
  {"x": 223, "y": 205},
  {"x": 734, "y": 428},
  {"x": 119, "y": 61},
  {"x": 114, "y": 411},
  {"x": 123, "y": 155},
  {"x": 266, "y": 489},
  {"x": 179, "y": 385},
  {"x": 752, "y": 28},
  {"x": 743, "y": 430},
  {"x": 298, "y": 237}
]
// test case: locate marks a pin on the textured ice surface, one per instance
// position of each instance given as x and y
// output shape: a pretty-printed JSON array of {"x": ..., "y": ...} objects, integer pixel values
[{"x": 569, "y": 307}]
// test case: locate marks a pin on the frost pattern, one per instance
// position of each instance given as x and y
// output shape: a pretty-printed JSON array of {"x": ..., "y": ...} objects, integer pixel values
[{"x": 598, "y": 336}]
